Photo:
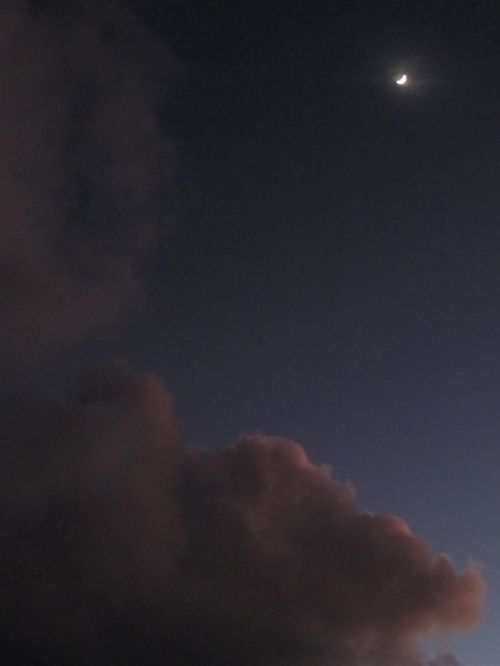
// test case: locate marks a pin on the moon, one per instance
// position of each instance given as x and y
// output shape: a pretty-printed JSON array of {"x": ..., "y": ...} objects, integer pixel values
[{"x": 402, "y": 80}]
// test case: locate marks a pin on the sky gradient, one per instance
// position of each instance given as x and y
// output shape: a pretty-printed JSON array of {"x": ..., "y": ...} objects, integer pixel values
[{"x": 239, "y": 204}]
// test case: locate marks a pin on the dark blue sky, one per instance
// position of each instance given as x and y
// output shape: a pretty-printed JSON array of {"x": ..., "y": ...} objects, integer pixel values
[
  {"x": 332, "y": 272},
  {"x": 334, "y": 275}
]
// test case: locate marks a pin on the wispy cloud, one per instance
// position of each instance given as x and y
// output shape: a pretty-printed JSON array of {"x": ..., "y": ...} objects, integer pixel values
[{"x": 85, "y": 167}]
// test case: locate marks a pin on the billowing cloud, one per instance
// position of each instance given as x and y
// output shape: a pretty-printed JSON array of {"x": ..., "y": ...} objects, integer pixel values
[
  {"x": 85, "y": 166},
  {"x": 122, "y": 546}
]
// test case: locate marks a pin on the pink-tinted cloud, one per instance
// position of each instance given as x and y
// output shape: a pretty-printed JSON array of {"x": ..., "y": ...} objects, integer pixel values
[
  {"x": 123, "y": 545},
  {"x": 85, "y": 166}
]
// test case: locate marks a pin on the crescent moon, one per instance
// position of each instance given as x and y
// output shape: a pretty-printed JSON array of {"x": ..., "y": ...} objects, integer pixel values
[{"x": 402, "y": 80}]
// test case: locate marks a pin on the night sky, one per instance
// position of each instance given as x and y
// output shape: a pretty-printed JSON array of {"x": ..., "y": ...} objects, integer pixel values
[{"x": 233, "y": 207}]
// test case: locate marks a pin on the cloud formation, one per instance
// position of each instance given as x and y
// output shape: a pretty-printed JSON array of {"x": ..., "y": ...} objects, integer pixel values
[
  {"x": 85, "y": 166},
  {"x": 122, "y": 546}
]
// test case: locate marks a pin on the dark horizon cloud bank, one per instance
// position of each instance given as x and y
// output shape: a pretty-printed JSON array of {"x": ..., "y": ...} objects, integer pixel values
[
  {"x": 120, "y": 544},
  {"x": 86, "y": 166}
]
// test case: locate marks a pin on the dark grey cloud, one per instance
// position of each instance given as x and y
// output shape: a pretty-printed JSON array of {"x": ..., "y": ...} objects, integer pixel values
[
  {"x": 122, "y": 546},
  {"x": 86, "y": 166}
]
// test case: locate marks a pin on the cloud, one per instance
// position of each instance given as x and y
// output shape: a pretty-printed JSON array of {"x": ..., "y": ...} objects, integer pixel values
[
  {"x": 123, "y": 546},
  {"x": 86, "y": 166}
]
